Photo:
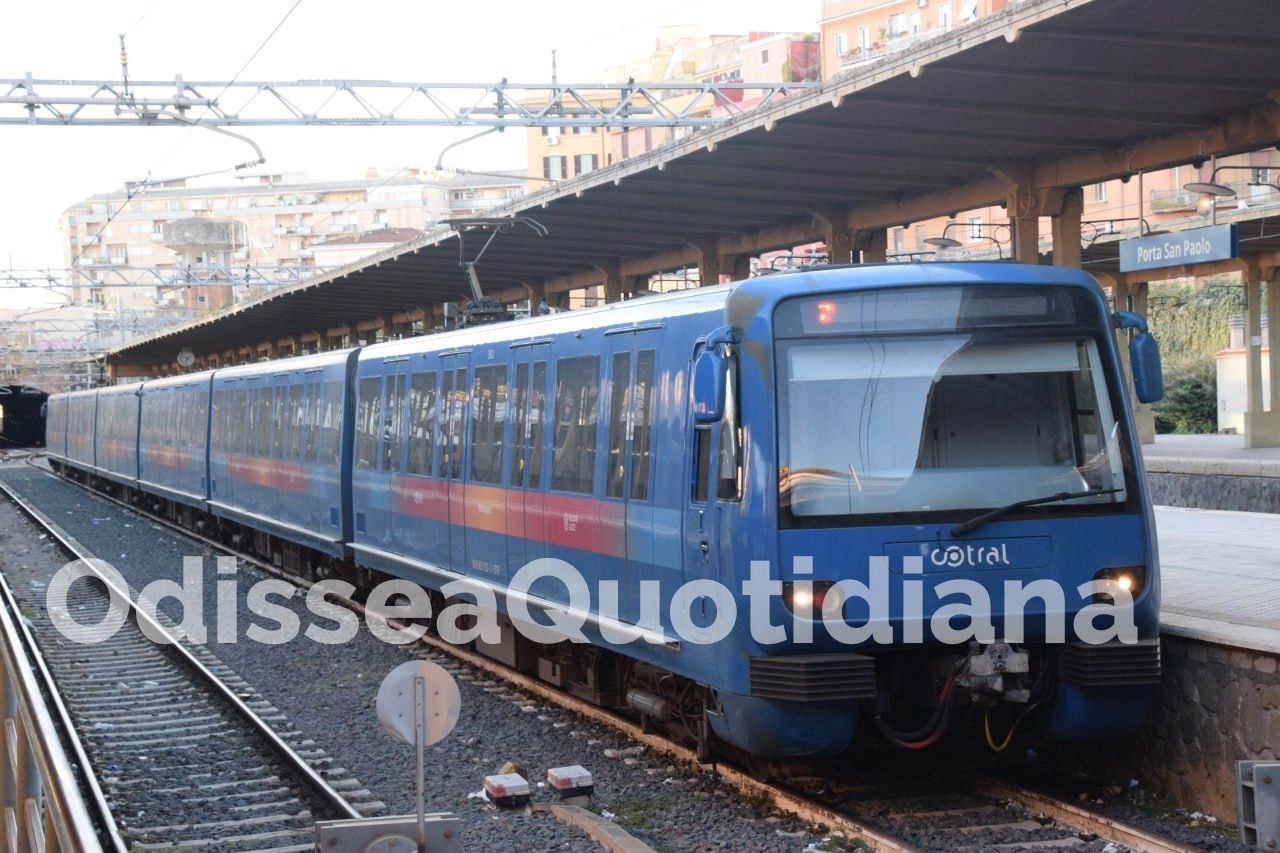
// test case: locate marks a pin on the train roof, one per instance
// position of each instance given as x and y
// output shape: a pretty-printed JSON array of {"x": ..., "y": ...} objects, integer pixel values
[
  {"x": 176, "y": 381},
  {"x": 639, "y": 311},
  {"x": 129, "y": 388},
  {"x": 284, "y": 365}
]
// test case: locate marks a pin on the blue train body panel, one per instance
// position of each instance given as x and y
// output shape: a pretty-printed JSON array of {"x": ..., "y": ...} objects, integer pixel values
[
  {"x": 116, "y": 436},
  {"x": 173, "y": 437},
  {"x": 277, "y": 457},
  {"x": 81, "y": 422}
]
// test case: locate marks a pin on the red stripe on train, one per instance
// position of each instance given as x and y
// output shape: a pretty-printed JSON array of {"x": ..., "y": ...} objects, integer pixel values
[{"x": 569, "y": 521}]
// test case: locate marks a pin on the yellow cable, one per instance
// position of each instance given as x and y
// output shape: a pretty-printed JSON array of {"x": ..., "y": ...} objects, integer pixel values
[{"x": 986, "y": 728}]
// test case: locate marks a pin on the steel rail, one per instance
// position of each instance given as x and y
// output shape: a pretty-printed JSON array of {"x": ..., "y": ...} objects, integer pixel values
[
  {"x": 290, "y": 757},
  {"x": 792, "y": 802}
]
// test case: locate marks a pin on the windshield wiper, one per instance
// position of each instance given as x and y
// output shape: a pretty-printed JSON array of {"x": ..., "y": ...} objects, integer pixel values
[{"x": 979, "y": 520}]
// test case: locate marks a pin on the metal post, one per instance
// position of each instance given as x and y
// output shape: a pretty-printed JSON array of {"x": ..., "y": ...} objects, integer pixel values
[{"x": 419, "y": 740}]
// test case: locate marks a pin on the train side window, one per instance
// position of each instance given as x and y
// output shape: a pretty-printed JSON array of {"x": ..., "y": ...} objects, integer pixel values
[
  {"x": 641, "y": 428},
  {"x": 297, "y": 413},
  {"x": 202, "y": 418},
  {"x": 307, "y": 440},
  {"x": 422, "y": 421},
  {"x": 278, "y": 422},
  {"x": 457, "y": 417},
  {"x": 701, "y": 464},
  {"x": 619, "y": 411},
  {"x": 573, "y": 457},
  {"x": 392, "y": 423},
  {"x": 488, "y": 416},
  {"x": 519, "y": 424},
  {"x": 367, "y": 421},
  {"x": 537, "y": 419},
  {"x": 266, "y": 420},
  {"x": 333, "y": 407},
  {"x": 446, "y": 402}
]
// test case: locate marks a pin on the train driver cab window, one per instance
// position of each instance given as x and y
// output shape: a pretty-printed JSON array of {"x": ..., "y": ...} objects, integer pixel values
[{"x": 573, "y": 457}]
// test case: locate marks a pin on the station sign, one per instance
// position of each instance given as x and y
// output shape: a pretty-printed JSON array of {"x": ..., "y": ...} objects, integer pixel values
[{"x": 1193, "y": 246}]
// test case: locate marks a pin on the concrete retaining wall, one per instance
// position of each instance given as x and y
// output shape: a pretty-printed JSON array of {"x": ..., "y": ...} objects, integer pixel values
[
  {"x": 1215, "y": 491},
  {"x": 1217, "y": 705}
]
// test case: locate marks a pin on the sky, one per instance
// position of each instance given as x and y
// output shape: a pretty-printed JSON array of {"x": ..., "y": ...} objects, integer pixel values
[{"x": 44, "y": 170}]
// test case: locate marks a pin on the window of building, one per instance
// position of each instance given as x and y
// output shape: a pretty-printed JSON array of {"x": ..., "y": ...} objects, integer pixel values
[
  {"x": 944, "y": 17},
  {"x": 422, "y": 421},
  {"x": 582, "y": 129},
  {"x": 577, "y": 409},
  {"x": 842, "y": 43},
  {"x": 764, "y": 57},
  {"x": 488, "y": 416},
  {"x": 586, "y": 163},
  {"x": 1100, "y": 192},
  {"x": 864, "y": 38},
  {"x": 367, "y": 421},
  {"x": 921, "y": 233},
  {"x": 898, "y": 238},
  {"x": 553, "y": 167},
  {"x": 914, "y": 23},
  {"x": 975, "y": 228}
]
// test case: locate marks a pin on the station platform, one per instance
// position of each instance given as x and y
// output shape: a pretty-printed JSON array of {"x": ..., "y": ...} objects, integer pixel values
[
  {"x": 1211, "y": 454},
  {"x": 1213, "y": 472},
  {"x": 1220, "y": 575}
]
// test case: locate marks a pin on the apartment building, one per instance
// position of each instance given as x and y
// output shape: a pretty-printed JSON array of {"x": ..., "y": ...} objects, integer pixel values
[
  {"x": 857, "y": 32},
  {"x": 204, "y": 247},
  {"x": 681, "y": 53}
]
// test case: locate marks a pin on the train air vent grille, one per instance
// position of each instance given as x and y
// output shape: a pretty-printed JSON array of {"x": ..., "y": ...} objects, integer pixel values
[
  {"x": 1113, "y": 664},
  {"x": 811, "y": 678}
]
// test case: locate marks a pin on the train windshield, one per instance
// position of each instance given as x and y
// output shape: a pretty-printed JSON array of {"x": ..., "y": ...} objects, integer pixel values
[{"x": 944, "y": 400}]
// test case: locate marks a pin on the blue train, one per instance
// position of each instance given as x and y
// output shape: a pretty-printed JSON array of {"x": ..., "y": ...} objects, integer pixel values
[{"x": 854, "y": 444}]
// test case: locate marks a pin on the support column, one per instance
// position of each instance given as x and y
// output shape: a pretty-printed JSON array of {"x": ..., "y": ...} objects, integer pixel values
[
  {"x": 1066, "y": 230},
  {"x": 873, "y": 245},
  {"x": 1144, "y": 417},
  {"x": 1026, "y": 238},
  {"x": 1261, "y": 427},
  {"x": 614, "y": 286}
]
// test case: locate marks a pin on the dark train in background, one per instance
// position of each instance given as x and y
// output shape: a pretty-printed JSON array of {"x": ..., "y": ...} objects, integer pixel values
[
  {"x": 813, "y": 421},
  {"x": 22, "y": 411}
]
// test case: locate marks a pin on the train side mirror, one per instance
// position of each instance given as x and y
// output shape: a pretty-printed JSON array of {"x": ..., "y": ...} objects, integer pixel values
[
  {"x": 1144, "y": 358},
  {"x": 709, "y": 383}
]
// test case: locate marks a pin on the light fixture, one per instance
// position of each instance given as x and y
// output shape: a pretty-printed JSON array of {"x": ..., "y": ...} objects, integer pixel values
[
  {"x": 942, "y": 242},
  {"x": 1209, "y": 188}
]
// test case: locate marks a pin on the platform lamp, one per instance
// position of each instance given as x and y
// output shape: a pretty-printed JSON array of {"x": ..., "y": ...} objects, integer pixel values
[
  {"x": 944, "y": 242},
  {"x": 1210, "y": 191}
]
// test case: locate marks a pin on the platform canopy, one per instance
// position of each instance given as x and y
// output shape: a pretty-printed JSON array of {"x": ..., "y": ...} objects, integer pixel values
[{"x": 1047, "y": 94}]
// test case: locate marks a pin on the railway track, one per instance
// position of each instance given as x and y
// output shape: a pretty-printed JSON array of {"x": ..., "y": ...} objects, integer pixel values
[
  {"x": 184, "y": 752},
  {"x": 866, "y": 806}
]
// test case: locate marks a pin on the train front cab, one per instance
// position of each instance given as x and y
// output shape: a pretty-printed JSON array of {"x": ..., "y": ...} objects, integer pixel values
[{"x": 880, "y": 408}]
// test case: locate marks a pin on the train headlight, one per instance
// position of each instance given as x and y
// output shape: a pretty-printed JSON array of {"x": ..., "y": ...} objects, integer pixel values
[
  {"x": 805, "y": 598},
  {"x": 1128, "y": 579}
]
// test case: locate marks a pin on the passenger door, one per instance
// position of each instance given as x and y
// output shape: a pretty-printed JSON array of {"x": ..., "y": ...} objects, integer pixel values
[
  {"x": 628, "y": 474},
  {"x": 453, "y": 425},
  {"x": 526, "y": 528}
]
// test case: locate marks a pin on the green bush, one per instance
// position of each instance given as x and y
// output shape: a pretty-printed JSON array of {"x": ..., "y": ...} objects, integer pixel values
[{"x": 1190, "y": 402}]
